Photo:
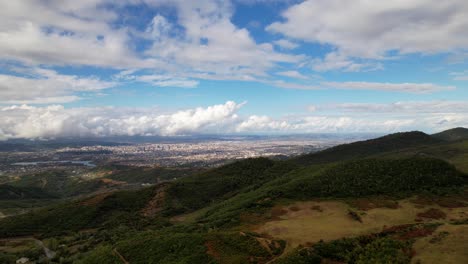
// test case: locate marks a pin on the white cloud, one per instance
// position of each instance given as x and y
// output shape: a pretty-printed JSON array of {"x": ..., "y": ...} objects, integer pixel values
[
  {"x": 46, "y": 86},
  {"x": 23, "y": 121},
  {"x": 296, "y": 86},
  {"x": 336, "y": 61},
  {"x": 166, "y": 81},
  {"x": 64, "y": 33},
  {"x": 404, "y": 107},
  {"x": 286, "y": 44},
  {"x": 418, "y": 88},
  {"x": 292, "y": 74},
  {"x": 201, "y": 43},
  {"x": 392, "y": 87},
  {"x": 374, "y": 30},
  {"x": 211, "y": 45},
  {"x": 262, "y": 123},
  {"x": 44, "y": 100},
  {"x": 460, "y": 76},
  {"x": 56, "y": 121},
  {"x": 370, "y": 29}
]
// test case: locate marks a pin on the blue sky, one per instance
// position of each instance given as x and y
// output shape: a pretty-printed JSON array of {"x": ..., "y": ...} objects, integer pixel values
[{"x": 160, "y": 67}]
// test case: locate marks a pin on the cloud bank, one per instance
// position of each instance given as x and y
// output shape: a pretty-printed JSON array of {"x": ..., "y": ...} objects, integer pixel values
[{"x": 24, "y": 121}]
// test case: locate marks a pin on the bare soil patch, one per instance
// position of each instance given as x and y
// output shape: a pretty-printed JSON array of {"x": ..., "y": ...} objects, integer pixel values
[
  {"x": 156, "y": 204},
  {"x": 432, "y": 213},
  {"x": 96, "y": 199}
]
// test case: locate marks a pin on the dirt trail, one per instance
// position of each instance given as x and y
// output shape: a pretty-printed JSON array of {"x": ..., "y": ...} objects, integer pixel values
[
  {"x": 48, "y": 252},
  {"x": 120, "y": 256}
]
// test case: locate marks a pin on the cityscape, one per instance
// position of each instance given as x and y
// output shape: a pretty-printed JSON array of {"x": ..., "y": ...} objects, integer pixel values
[{"x": 193, "y": 153}]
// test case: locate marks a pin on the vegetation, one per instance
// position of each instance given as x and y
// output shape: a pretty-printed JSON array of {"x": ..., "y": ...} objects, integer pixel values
[
  {"x": 112, "y": 227},
  {"x": 58, "y": 183},
  {"x": 195, "y": 192},
  {"x": 147, "y": 175},
  {"x": 369, "y": 148},
  {"x": 379, "y": 248},
  {"x": 8, "y": 192},
  {"x": 117, "y": 208},
  {"x": 454, "y": 134},
  {"x": 376, "y": 177}
]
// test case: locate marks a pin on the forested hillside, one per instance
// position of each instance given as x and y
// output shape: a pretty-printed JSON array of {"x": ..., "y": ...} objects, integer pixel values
[
  {"x": 247, "y": 211},
  {"x": 369, "y": 147},
  {"x": 454, "y": 134}
]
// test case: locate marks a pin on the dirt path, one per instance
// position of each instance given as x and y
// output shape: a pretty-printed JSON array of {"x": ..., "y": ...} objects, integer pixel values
[
  {"x": 280, "y": 255},
  {"x": 48, "y": 252},
  {"x": 120, "y": 256}
]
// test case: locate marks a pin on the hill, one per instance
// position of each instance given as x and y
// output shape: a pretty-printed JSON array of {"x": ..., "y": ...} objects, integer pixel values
[
  {"x": 8, "y": 192},
  {"x": 305, "y": 210},
  {"x": 362, "y": 149},
  {"x": 376, "y": 177},
  {"x": 219, "y": 184},
  {"x": 454, "y": 134}
]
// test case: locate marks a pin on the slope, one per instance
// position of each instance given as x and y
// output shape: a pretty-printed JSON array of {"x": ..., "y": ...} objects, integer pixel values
[
  {"x": 362, "y": 149},
  {"x": 454, "y": 134}
]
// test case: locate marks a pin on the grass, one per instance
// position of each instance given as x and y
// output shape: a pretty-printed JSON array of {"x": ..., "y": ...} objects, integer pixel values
[
  {"x": 306, "y": 225},
  {"x": 451, "y": 248}
]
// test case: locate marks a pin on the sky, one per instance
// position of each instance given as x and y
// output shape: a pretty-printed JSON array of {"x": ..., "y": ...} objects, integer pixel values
[{"x": 176, "y": 67}]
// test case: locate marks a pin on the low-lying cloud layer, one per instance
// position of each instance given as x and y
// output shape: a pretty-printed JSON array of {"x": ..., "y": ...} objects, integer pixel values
[{"x": 54, "y": 121}]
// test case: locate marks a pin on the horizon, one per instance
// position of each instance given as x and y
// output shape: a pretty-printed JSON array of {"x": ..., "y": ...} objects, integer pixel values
[{"x": 97, "y": 69}]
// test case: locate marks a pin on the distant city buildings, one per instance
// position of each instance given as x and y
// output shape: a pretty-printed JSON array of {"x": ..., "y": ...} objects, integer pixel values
[{"x": 198, "y": 154}]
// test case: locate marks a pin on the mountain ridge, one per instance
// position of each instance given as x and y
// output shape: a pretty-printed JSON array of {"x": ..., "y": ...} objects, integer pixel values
[{"x": 454, "y": 134}]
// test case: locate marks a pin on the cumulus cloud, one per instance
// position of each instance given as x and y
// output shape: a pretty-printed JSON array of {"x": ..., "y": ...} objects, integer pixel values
[
  {"x": 210, "y": 46},
  {"x": 25, "y": 121},
  {"x": 375, "y": 29},
  {"x": 38, "y": 85},
  {"x": 371, "y": 29},
  {"x": 201, "y": 43},
  {"x": 286, "y": 44},
  {"x": 262, "y": 123},
  {"x": 52, "y": 121},
  {"x": 64, "y": 33}
]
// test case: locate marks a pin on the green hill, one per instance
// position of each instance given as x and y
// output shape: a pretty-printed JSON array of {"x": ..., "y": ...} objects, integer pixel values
[
  {"x": 106, "y": 209},
  {"x": 219, "y": 184},
  {"x": 250, "y": 184},
  {"x": 208, "y": 217},
  {"x": 353, "y": 179},
  {"x": 126, "y": 207},
  {"x": 362, "y": 149},
  {"x": 8, "y": 192},
  {"x": 454, "y": 134},
  {"x": 376, "y": 177}
]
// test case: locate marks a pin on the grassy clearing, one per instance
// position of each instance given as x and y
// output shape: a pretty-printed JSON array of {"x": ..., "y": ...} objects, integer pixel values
[
  {"x": 301, "y": 223},
  {"x": 446, "y": 245}
]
